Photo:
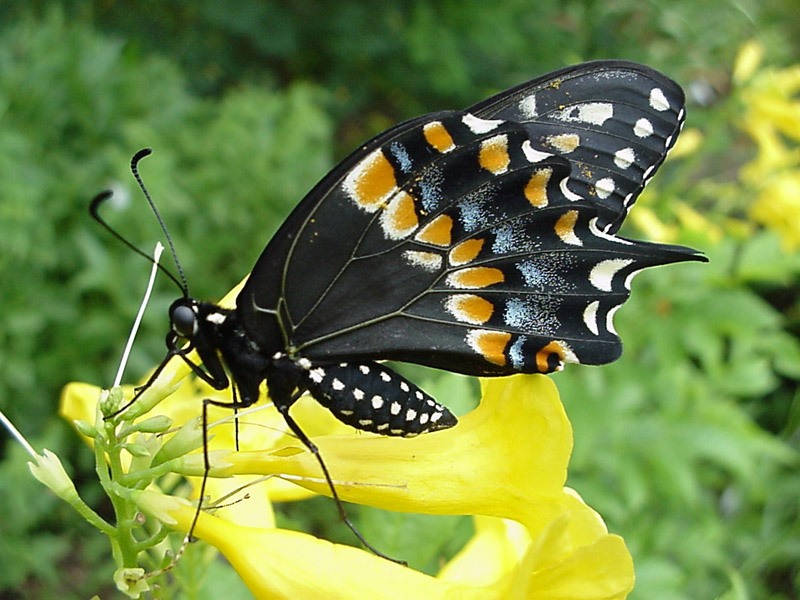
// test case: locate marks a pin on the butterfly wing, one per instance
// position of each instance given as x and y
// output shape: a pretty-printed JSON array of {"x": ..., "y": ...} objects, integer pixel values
[
  {"x": 467, "y": 243},
  {"x": 614, "y": 121}
]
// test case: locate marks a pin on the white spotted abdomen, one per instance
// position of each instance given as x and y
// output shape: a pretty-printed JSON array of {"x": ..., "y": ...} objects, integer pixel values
[{"x": 371, "y": 397}]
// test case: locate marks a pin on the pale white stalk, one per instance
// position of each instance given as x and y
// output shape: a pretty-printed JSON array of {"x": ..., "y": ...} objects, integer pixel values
[{"x": 135, "y": 328}]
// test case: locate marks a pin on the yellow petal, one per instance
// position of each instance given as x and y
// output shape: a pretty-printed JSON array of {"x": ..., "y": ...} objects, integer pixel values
[
  {"x": 276, "y": 564},
  {"x": 647, "y": 220},
  {"x": 778, "y": 207},
  {"x": 688, "y": 143},
  {"x": 78, "y": 402},
  {"x": 493, "y": 552},
  {"x": 747, "y": 61}
]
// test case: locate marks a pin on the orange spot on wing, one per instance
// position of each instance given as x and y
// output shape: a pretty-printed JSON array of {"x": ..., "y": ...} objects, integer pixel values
[
  {"x": 466, "y": 251},
  {"x": 565, "y": 226},
  {"x": 536, "y": 189},
  {"x": 371, "y": 182},
  {"x": 543, "y": 356},
  {"x": 475, "y": 277},
  {"x": 490, "y": 344},
  {"x": 437, "y": 232},
  {"x": 399, "y": 218},
  {"x": 470, "y": 308},
  {"x": 438, "y": 137},
  {"x": 493, "y": 155}
]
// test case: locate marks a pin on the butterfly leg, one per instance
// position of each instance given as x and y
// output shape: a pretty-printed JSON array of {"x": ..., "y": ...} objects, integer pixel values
[{"x": 283, "y": 407}]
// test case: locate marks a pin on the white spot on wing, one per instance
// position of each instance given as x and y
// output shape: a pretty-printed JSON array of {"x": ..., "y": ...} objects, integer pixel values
[
  {"x": 377, "y": 402},
  {"x": 602, "y": 274},
  {"x": 629, "y": 278},
  {"x": 596, "y": 113},
  {"x": 411, "y": 414},
  {"x": 317, "y": 375},
  {"x": 624, "y": 158},
  {"x": 658, "y": 100},
  {"x": 610, "y": 319},
  {"x": 570, "y": 195},
  {"x": 477, "y": 125},
  {"x": 590, "y": 317},
  {"x": 606, "y": 236},
  {"x": 395, "y": 408},
  {"x": 533, "y": 155},
  {"x": 337, "y": 385},
  {"x": 527, "y": 106},
  {"x": 426, "y": 260},
  {"x": 604, "y": 187},
  {"x": 643, "y": 128}
]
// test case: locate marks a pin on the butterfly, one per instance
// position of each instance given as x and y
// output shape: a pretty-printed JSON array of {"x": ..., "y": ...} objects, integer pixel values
[{"x": 481, "y": 241}]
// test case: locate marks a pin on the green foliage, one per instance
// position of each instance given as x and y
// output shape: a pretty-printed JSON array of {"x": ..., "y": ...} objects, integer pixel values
[
  {"x": 687, "y": 446},
  {"x": 673, "y": 457}
]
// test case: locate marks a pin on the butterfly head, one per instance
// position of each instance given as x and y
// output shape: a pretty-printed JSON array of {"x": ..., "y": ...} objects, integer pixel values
[{"x": 183, "y": 318}]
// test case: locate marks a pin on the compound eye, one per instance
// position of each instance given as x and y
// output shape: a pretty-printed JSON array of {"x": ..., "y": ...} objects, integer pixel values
[{"x": 184, "y": 321}]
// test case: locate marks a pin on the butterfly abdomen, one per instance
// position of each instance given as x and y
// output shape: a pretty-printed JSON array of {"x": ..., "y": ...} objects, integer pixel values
[{"x": 372, "y": 397}]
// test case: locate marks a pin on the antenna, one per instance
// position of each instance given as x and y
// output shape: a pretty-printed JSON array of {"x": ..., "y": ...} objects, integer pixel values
[
  {"x": 94, "y": 209},
  {"x": 135, "y": 170}
]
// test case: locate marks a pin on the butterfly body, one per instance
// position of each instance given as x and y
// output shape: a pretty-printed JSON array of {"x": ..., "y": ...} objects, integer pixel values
[
  {"x": 480, "y": 241},
  {"x": 368, "y": 395}
]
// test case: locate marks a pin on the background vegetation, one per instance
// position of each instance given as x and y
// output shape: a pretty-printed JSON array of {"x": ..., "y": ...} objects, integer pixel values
[{"x": 688, "y": 446}]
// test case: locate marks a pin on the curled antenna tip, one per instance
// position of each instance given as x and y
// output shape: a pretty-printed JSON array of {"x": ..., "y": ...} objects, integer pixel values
[
  {"x": 98, "y": 200},
  {"x": 140, "y": 155}
]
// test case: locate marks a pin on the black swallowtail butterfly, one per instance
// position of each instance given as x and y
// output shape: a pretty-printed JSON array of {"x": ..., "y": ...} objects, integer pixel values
[{"x": 480, "y": 241}]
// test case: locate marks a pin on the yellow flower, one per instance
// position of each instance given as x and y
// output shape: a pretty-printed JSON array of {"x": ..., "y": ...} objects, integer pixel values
[
  {"x": 772, "y": 119},
  {"x": 747, "y": 61},
  {"x": 688, "y": 143},
  {"x": 778, "y": 204}
]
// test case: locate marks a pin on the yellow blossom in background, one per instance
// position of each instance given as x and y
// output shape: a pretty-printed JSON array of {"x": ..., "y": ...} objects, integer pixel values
[
  {"x": 778, "y": 205},
  {"x": 772, "y": 120},
  {"x": 747, "y": 61},
  {"x": 689, "y": 142}
]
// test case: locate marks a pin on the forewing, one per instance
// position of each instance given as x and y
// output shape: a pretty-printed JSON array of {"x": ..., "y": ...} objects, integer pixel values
[{"x": 614, "y": 121}]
